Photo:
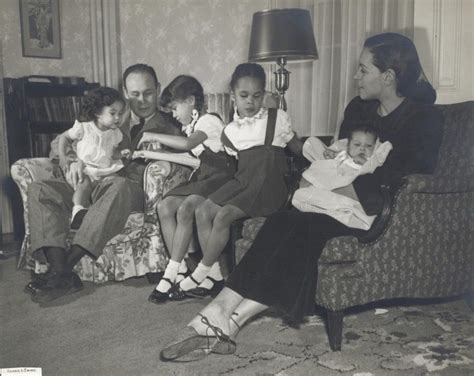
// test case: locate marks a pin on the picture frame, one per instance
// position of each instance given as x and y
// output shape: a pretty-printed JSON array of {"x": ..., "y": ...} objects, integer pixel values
[{"x": 40, "y": 29}]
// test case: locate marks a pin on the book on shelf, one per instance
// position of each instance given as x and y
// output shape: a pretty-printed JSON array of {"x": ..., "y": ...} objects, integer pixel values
[
  {"x": 53, "y": 109},
  {"x": 181, "y": 158}
]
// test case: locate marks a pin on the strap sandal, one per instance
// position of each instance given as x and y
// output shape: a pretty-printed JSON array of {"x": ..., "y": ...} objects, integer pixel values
[
  {"x": 159, "y": 297},
  {"x": 223, "y": 344},
  {"x": 202, "y": 292},
  {"x": 189, "y": 345},
  {"x": 176, "y": 293},
  {"x": 58, "y": 286},
  {"x": 183, "y": 275},
  {"x": 235, "y": 322}
]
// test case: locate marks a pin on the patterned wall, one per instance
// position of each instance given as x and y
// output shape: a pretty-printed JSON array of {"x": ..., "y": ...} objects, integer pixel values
[
  {"x": 75, "y": 40},
  {"x": 204, "y": 38}
]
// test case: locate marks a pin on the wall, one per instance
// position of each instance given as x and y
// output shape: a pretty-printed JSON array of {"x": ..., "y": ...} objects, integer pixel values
[
  {"x": 444, "y": 35},
  {"x": 75, "y": 41},
  {"x": 204, "y": 38}
]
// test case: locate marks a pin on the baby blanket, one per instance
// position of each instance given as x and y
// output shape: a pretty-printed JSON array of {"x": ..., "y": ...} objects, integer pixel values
[{"x": 324, "y": 175}]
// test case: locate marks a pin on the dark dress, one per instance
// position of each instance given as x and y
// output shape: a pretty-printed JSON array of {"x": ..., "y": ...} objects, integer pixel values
[
  {"x": 215, "y": 170},
  {"x": 280, "y": 269},
  {"x": 258, "y": 187}
]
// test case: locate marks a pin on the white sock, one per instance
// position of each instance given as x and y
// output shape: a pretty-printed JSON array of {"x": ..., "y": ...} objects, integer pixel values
[
  {"x": 198, "y": 275},
  {"x": 170, "y": 273},
  {"x": 75, "y": 209},
  {"x": 183, "y": 268},
  {"x": 215, "y": 273}
]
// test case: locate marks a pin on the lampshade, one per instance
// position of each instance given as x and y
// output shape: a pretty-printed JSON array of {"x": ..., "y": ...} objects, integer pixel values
[{"x": 282, "y": 33}]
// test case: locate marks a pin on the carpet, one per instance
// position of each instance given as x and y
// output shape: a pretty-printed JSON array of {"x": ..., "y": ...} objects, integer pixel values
[{"x": 111, "y": 329}]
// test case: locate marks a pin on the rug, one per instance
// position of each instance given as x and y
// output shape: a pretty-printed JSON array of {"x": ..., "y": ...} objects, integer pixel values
[{"x": 111, "y": 329}]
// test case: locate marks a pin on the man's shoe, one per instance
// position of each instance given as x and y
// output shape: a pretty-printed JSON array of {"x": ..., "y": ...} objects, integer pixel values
[
  {"x": 58, "y": 285},
  {"x": 38, "y": 281}
]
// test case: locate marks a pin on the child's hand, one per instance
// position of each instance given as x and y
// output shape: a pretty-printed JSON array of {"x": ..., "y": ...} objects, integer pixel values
[
  {"x": 147, "y": 137},
  {"x": 360, "y": 159},
  {"x": 126, "y": 153},
  {"x": 76, "y": 172},
  {"x": 329, "y": 154}
]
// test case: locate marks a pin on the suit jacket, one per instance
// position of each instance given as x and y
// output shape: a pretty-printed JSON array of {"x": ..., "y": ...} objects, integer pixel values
[{"x": 161, "y": 122}]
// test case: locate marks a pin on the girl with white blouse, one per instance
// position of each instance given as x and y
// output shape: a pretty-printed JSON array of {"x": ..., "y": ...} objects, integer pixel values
[
  {"x": 100, "y": 146},
  {"x": 184, "y": 96},
  {"x": 257, "y": 137}
]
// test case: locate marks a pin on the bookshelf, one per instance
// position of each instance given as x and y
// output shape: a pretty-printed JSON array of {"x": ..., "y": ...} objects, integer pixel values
[{"x": 37, "y": 109}]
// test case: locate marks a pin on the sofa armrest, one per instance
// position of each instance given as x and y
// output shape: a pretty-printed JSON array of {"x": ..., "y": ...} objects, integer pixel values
[{"x": 25, "y": 171}]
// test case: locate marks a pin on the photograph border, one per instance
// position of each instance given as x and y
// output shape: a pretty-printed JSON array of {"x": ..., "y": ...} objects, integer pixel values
[{"x": 28, "y": 48}]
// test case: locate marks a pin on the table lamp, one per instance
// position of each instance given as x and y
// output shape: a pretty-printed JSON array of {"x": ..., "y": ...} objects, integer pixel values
[{"x": 281, "y": 35}]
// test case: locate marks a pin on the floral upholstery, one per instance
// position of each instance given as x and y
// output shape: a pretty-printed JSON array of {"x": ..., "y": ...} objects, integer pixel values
[
  {"x": 137, "y": 250},
  {"x": 426, "y": 249}
]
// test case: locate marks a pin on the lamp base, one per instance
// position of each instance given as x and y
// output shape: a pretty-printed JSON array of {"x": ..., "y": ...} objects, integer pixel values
[{"x": 282, "y": 81}]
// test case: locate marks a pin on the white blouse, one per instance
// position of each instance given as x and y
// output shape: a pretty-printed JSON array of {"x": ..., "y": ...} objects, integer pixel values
[
  {"x": 246, "y": 132},
  {"x": 95, "y": 147},
  {"x": 212, "y": 126}
]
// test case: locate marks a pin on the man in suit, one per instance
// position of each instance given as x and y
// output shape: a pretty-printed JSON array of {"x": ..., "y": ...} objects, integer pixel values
[{"x": 50, "y": 202}]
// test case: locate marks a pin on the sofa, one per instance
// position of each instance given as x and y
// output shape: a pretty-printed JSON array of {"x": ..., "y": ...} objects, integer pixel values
[
  {"x": 139, "y": 249},
  {"x": 421, "y": 246}
]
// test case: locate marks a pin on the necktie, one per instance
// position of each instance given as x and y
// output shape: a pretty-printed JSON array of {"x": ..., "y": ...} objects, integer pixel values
[{"x": 136, "y": 129}]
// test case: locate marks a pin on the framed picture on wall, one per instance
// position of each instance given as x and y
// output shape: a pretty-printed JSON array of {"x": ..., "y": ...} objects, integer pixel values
[{"x": 40, "y": 29}]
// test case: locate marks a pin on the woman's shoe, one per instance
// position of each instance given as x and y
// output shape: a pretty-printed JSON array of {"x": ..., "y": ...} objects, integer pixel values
[
  {"x": 159, "y": 297},
  {"x": 189, "y": 341},
  {"x": 202, "y": 292}
]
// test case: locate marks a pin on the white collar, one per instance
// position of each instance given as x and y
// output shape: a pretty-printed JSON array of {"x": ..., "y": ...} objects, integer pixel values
[{"x": 249, "y": 120}]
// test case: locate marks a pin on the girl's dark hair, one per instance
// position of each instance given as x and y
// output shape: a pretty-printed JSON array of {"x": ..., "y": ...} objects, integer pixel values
[
  {"x": 397, "y": 52},
  {"x": 96, "y": 99},
  {"x": 181, "y": 88},
  {"x": 247, "y": 70},
  {"x": 139, "y": 68}
]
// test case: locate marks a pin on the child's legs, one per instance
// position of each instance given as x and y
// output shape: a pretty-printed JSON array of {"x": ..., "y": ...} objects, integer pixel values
[
  {"x": 167, "y": 209},
  {"x": 205, "y": 214},
  {"x": 184, "y": 228},
  {"x": 82, "y": 194},
  {"x": 219, "y": 235}
]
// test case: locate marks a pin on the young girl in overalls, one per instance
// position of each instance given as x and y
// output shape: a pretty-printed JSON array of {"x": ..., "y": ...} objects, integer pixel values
[
  {"x": 184, "y": 96},
  {"x": 257, "y": 137}
]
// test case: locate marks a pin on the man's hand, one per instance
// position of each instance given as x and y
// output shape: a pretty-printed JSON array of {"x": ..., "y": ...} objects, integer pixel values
[{"x": 76, "y": 173}]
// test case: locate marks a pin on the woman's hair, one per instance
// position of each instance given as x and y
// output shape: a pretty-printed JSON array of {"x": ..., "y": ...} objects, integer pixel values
[
  {"x": 96, "y": 99},
  {"x": 181, "y": 88},
  {"x": 397, "y": 52},
  {"x": 139, "y": 68},
  {"x": 247, "y": 70}
]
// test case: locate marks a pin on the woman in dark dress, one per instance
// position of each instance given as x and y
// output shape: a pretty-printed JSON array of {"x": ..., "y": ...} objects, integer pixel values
[{"x": 280, "y": 269}]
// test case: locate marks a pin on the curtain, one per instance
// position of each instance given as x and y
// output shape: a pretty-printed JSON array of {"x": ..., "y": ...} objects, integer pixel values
[{"x": 320, "y": 90}]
